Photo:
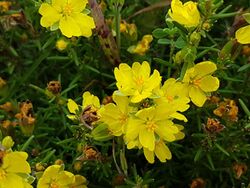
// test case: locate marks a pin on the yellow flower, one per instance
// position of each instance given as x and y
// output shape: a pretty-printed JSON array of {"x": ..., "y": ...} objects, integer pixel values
[
  {"x": 88, "y": 100},
  {"x": 116, "y": 115},
  {"x": 61, "y": 44},
  {"x": 55, "y": 177},
  {"x": 68, "y": 16},
  {"x": 186, "y": 14},
  {"x": 136, "y": 81},
  {"x": 13, "y": 167},
  {"x": 199, "y": 82},
  {"x": 150, "y": 124},
  {"x": 161, "y": 151},
  {"x": 172, "y": 93},
  {"x": 143, "y": 46},
  {"x": 80, "y": 182},
  {"x": 243, "y": 35}
]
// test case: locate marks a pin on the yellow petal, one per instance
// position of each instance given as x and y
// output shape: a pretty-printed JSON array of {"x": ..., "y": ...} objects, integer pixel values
[
  {"x": 72, "y": 106},
  {"x": 209, "y": 83},
  {"x": 122, "y": 102},
  {"x": 197, "y": 96},
  {"x": 69, "y": 27},
  {"x": 204, "y": 68},
  {"x": 65, "y": 178},
  {"x": 133, "y": 128},
  {"x": 78, "y": 5},
  {"x": 85, "y": 23},
  {"x": 49, "y": 15},
  {"x": 59, "y": 4},
  {"x": 72, "y": 117},
  {"x": 243, "y": 35},
  {"x": 147, "y": 139},
  {"x": 12, "y": 180},
  {"x": 89, "y": 99},
  {"x": 162, "y": 152},
  {"x": 179, "y": 116},
  {"x": 149, "y": 155},
  {"x": 15, "y": 162}
]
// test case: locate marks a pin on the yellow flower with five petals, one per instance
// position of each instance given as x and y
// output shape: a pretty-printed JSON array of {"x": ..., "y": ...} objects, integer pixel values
[
  {"x": 148, "y": 125},
  {"x": 137, "y": 81},
  {"x": 68, "y": 16},
  {"x": 199, "y": 82}
]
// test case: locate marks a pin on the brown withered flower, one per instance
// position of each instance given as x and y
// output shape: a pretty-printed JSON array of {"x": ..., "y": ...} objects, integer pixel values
[
  {"x": 213, "y": 126},
  {"x": 26, "y": 117},
  {"x": 7, "y": 107},
  {"x": 198, "y": 183},
  {"x": 214, "y": 99},
  {"x": 54, "y": 87},
  {"x": 246, "y": 50},
  {"x": 89, "y": 153},
  {"x": 5, "y": 6},
  {"x": 107, "y": 100},
  {"x": 227, "y": 109},
  {"x": 89, "y": 115},
  {"x": 239, "y": 169}
]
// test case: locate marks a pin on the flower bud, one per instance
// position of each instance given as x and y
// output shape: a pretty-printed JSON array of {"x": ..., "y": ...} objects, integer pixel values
[
  {"x": 101, "y": 133},
  {"x": 7, "y": 142}
]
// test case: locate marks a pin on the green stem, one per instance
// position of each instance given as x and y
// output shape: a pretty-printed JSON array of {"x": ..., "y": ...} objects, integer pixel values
[
  {"x": 117, "y": 27},
  {"x": 114, "y": 158},
  {"x": 171, "y": 57},
  {"x": 225, "y": 15}
]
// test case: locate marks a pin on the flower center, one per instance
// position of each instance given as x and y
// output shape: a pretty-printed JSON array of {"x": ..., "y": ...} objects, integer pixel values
[
  {"x": 123, "y": 119},
  {"x": 170, "y": 98},
  {"x": 2, "y": 174},
  {"x": 54, "y": 185},
  {"x": 151, "y": 126},
  {"x": 67, "y": 10},
  {"x": 139, "y": 81},
  {"x": 197, "y": 82}
]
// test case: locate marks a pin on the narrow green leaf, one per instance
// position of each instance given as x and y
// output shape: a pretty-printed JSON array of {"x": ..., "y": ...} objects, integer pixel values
[
  {"x": 222, "y": 149},
  {"x": 244, "y": 67},
  {"x": 197, "y": 155},
  {"x": 244, "y": 107},
  {"x": 210, "y": 161}
]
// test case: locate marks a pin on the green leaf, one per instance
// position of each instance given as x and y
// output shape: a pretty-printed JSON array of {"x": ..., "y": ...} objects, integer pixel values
[
  {"x": 54, "y": 27},
  {"x": 159, "y": 33},
  {"x": 247, "y": 17},
  {"x": 244, "y": 107},
  {"x": 164, "y": 41},
  {"x": 180, "y": 43},
  {"x": 222, "y": 149},
  {"x": 244, "y": 67},
  {"x": 210, "y": 161},
  {"x": 198, "y": 155}
]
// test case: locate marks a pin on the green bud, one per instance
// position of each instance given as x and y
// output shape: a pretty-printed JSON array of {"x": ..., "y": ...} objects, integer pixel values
[
  {"x": 101, "y": 133},
  {"x": 226, "y": 51},
  {"x": 178, "y": 59},
  {"x": 7, "y": 142},
  {"x": 195, "y": 38}
]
